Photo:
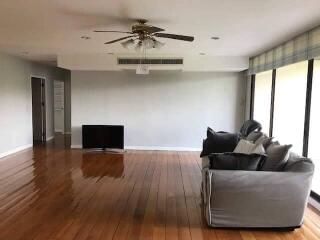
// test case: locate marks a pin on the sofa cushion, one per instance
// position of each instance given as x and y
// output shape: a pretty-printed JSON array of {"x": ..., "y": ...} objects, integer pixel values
[
  {"x": 235, "y": 161},
  {"x": 219, "y": 142},
  {"x": 277, "y": 157},
  {"x": 298, "y": 163}
]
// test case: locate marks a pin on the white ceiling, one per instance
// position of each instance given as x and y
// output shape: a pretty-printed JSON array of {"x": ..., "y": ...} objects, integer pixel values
[{"x": 50, "y": 28}]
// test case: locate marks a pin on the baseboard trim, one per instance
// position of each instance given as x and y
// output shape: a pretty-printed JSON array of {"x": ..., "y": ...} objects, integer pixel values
[
  {"x": 50, "y": 138},
  {"x": 15, "y": 150},
  {"x": 314, "y": 203},
  {"x": 156, "y": 148},
  {"x": 61, "y": 132},
  {"x": 152, "y": 148},
  {"x": 76, "y": 146}
]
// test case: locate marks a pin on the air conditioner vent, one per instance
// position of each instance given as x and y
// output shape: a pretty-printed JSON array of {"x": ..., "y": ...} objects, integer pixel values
[{"x": 150, "y": 61}]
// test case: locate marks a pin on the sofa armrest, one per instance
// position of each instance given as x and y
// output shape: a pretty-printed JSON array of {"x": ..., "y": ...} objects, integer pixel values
[
  {"x": 256, "y": 198},
  {"x": 205, "y": 163}
]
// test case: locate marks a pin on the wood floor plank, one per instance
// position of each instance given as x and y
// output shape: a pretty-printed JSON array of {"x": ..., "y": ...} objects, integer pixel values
[
  {"x": 181, "y": 206},
  {"x": 150, "y": 214},
  {"x": 159, "y": 227},
  {"x": 111, "y": 223},
  {"x": 52, "y": 192},
  {"x": 141, "y": 207},
  {"x": 76, "y": 222},
  {"x": 127, "y": 217},
  {"x": 171, "y": 216},
  {"x": 81, "y": 226},
  {"x": 117, "y": 190},
  {"x": 196, "y": 224},
  {"x": 195, "y": 175}
]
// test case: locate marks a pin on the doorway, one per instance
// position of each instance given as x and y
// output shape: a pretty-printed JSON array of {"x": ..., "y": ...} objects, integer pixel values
[{"x": 38, "y": 109}]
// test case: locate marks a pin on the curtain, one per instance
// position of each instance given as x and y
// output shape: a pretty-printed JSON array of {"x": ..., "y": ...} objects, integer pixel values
[{"x": 303, "y": 47}]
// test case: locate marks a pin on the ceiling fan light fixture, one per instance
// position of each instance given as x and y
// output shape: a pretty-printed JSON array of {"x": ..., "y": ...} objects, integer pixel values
[
  {"x": 128, "y": 43},
  {"x": 157, "y": 44},
  {"x": 148, "y": 43},
  {"x": 143, "y": 36},
  {"x": 138, "y": 47}
]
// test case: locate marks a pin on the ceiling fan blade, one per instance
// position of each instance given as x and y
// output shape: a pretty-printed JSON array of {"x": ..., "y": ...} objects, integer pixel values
[
  {"x": 153, "y": 29},
  {"x": 175, "y": 36},
  {"x": 102, "y": 31},
  {"x": 119, "y": 39}
]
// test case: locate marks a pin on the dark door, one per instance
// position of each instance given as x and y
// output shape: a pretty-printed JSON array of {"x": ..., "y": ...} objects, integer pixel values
[{"x": 38, "y": 109}]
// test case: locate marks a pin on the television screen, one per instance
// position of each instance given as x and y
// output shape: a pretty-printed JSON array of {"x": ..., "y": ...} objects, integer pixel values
[{"x": 102, "y": 136}]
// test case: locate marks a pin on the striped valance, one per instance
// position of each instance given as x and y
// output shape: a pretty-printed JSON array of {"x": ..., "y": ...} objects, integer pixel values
[{"x": 303, "y": 47}]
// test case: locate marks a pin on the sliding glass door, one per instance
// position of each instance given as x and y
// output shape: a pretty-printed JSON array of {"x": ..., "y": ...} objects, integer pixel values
[
  {"x": 314, "y": 133},
  {"x": 262, "y": 99},
  {"x": 289, "y": 105},
  {"x": 289, "y": 109}
]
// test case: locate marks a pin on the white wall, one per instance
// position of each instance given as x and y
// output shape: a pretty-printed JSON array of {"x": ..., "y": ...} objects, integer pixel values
[
  {"x": 163, "y": 110},
  {"x": 191, "y": 63},
  {"x": 15, "y": 101}
]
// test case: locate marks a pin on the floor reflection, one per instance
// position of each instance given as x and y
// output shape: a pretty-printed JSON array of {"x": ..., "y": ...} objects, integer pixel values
[
  {"x": 95, "y": 166},
  {"x": 48, "y": 169}
]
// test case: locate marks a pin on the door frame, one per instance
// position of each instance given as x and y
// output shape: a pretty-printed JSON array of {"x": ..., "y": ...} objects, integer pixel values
[{"x": 44, "y": 105}]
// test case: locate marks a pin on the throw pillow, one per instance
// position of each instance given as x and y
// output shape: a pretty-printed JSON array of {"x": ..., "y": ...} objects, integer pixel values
[
  {"x": 277, "y": 157},
  {"x": 298, "y": 163},
  {"x": 210, "y": 131},
  {"x": 236, "y": 161},
  {"x": 258, "y": 149},
  {"x": 244, "y": 146},
  {"x": 247, "y": 147},
  {"x": 219, "y": 142},
  {"x": 264, "y": 140},
  {"x": 254, "y": 136}
]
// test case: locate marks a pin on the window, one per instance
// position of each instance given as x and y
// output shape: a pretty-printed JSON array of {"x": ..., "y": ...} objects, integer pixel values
[
  {"x": 262, "y": 99},
  {"x": 289, "y": 105},
  {"x": 290, "y": 108},
  {"x": 314, "y": 132}
]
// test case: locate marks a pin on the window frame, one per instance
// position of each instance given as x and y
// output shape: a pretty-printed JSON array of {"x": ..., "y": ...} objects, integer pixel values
[{"x": 307, "y": 115}]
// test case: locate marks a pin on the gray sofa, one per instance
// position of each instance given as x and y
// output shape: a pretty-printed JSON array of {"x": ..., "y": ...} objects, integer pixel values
[{"x": 257, "y": 199}]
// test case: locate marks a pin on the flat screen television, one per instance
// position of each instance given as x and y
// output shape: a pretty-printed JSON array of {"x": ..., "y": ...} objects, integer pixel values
[{"x": 103, "y": 136}]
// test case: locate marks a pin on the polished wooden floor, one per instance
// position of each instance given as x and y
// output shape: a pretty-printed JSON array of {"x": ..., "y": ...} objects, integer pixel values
[{"x": 52, "y": 192}]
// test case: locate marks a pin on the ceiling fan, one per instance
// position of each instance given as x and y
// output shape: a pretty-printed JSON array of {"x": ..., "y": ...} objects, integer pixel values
[{"x": 144, "y": 36}]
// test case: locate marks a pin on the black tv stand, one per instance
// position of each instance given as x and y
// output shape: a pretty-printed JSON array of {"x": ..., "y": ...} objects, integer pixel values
[
  {"x": 106, "y": 150},
  {"x": 112, "y": 150}
]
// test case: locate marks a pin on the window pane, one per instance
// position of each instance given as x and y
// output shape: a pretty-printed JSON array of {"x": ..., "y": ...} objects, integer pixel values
[
  {"x": 289, "y": 105},
  {"x": 314, "y": 150},
  {"x": 262, "y": 99}
]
